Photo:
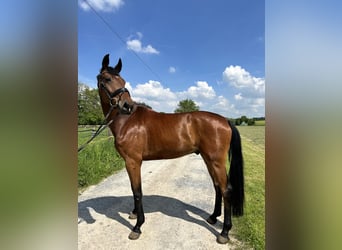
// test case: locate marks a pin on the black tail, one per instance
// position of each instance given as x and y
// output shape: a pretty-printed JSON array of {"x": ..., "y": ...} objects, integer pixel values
[{"x": 236, "y": 178}]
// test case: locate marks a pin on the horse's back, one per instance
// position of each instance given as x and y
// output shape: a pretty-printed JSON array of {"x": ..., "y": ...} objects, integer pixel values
[{"x": 166, "y": 135}]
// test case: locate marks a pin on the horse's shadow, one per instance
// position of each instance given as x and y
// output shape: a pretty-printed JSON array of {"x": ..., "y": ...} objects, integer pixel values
[{"x": 111, "y": 207}]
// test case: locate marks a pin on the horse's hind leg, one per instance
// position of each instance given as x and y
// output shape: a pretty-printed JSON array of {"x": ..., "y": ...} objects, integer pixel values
[
  {"x": 227, "y": 222},
  {"x": 225, "y": 189},
  {"x": 218, "y": 206},
  {"x": 218, "y": 173},
  {"x": 212, "y": 169}
]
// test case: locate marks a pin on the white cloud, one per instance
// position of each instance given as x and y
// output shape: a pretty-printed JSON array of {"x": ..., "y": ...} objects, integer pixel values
[
  {"x": 250, "y": 99},
  {"x": 153, "y": 90},
  {"x": 154, "y": 94},
  {"x": 136, "y": 45},
  {"x": 243, "y": 80},
  {"x": 238, "y": 97},
  {"x": 222, "y": 105},
  {"x": 163, "y": 99},
  {"x": 172, "y": 70},
  {"x": 101, "y": 5},
  {"x": 252, "y": 107},
  {"x": 201, "y": 90},
  {"x": 129, "y": 87}
]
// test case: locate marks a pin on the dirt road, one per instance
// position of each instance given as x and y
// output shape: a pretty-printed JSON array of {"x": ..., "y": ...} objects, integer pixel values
[{"x": 178, "y": 197}]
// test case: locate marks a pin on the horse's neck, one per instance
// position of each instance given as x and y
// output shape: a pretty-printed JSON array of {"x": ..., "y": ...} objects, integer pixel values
[{"x": 119, "y": 121}]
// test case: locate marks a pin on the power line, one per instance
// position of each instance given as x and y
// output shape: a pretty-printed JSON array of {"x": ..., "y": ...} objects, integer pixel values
[{"x": 121, "y": 39}]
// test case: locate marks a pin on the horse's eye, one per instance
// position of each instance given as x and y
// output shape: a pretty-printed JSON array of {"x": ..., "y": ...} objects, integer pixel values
[{"x": 108, "y": 79}]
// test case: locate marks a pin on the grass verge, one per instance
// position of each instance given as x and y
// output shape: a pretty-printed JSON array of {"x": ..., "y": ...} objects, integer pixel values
[
  {"x": 250, "y": 228},
  {"x": 98, "y": 159}
]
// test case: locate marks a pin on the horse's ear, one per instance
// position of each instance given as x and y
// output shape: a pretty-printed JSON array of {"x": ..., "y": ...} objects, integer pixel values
[
  {"x": 118, "y": 66},
  {"x": 105, "y": 62}
]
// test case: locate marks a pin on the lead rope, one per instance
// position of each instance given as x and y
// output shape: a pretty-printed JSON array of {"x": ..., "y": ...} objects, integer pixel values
[{"x": 99, "y": 130}]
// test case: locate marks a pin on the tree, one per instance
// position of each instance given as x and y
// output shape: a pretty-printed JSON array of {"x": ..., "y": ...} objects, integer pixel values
[
  {"x": 186, "y": 105},
  {"x": 244, "y": 119},
  {"x": 237, "y": 121},
  {"x": 89, "y": 107},
  {"x": 251, "y": 122}
]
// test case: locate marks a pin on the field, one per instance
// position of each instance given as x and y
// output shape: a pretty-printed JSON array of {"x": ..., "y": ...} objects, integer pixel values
[
  {"x": 259, "y": 123},
  {"x": 251, "y": 227},
  {"x": 99, "y": 160}
]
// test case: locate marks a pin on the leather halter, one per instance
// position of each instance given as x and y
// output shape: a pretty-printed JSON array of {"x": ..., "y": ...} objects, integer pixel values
[{"x": 126, "y": 108}]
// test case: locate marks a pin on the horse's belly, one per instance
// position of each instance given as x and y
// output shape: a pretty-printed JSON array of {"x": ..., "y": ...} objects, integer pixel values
[{"x": 167, "y": 152}]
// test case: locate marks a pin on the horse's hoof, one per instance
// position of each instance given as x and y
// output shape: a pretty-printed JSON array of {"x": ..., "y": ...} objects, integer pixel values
[
  {"x": 132, "y": 216},
  {"x": 134, "y": 235},
  {"x": 222, "y": 240},
  {"x": 211, "y": 221}
]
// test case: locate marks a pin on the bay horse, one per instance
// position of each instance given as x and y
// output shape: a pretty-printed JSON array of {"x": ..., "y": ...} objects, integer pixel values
[{"x": 143, "y": 134}]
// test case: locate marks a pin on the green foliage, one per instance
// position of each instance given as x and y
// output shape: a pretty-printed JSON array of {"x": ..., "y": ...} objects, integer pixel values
[
  {"x": 250, "y": 122},
  {"x": 237, "y": 121},
  {"x": 244, "y": 120},
  {"x": 186, "y": 105},
  {"x": 98, "y": 160},
  {"x": 89, "y": 107}
]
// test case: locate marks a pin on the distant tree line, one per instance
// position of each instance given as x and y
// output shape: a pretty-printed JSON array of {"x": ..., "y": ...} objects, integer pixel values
[{"x": 244, "y": 120}]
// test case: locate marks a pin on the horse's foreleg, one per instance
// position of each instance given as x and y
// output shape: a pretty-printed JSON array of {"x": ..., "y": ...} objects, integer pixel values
[
  {"x": 138, "y": 208},
  {"x": 133, "y": 170}
]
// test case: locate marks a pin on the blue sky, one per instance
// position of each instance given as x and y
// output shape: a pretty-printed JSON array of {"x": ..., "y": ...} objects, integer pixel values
[{"x": 209, "y": 51}]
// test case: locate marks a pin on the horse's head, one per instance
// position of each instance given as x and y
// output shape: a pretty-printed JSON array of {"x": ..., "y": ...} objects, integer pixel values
[{"x": 112, "y": 87}]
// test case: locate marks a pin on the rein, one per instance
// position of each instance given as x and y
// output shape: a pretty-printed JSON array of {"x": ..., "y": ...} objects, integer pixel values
[
  {"x": 125, "y": 109},
  {"x": 99, "y": 130}
]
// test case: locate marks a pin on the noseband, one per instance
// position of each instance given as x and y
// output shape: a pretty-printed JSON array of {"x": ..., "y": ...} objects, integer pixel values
[
  {"x": 111, "y": 96},
  {"x": 126, "y": 108}
]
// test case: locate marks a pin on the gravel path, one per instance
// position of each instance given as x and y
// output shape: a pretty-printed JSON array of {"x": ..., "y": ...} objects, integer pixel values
[{"x": 178, "y": 197}]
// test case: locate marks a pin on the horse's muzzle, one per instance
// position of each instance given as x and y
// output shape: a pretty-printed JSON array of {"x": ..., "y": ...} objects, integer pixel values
[{"x": 126, "y": 108}]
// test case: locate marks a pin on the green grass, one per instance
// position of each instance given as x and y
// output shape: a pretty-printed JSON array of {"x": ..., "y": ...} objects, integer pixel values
[
  {"x": 250, "y": 228},
  {"x": 98, "y": 159},
  {"x": 260, "y": 123}
]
